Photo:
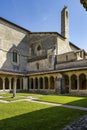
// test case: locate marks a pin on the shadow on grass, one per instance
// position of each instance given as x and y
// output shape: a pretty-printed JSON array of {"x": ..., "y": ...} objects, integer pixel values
[
  {"x": 65, "y": 99},
  {"x": 80, "y": 102},
  {"x": 51, "y": 118}
]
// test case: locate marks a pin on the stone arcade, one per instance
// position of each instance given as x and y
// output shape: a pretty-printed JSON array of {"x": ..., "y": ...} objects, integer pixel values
[{"x": 41, "y": 61}]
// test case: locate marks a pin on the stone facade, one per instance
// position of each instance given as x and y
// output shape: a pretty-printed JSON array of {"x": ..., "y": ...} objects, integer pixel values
[
  {"x": 41, "y": 61},
  {"x": 12, "y": 38}
]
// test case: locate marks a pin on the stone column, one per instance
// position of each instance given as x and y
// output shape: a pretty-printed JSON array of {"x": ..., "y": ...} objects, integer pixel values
[
  {"x": 86, "y": 82},
  {"x": 54, "y": 82},
  {"x": 25, "y": 83},
  {"x": 78, "y": 83},
  {"x": 63, "y": 86},
  {"x": 38, "y": 83},
  {"x": 58, "y": 85},
  {"x": 29, "y": 83},
  {"x": 43, "y": 83},
  {"x": 3, "y": 83},
  {"x": 14, "y": 87},
  {"x": 69, "y": 84},
  {"x": 21, "y": 83},
  {"x": 10, "y": 83},
  {"x": 49, "y": 83},
  {"x": 34, "y": 83}
]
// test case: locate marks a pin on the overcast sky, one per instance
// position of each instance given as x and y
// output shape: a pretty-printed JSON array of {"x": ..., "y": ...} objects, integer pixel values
[{"x": 45, "y": 16}]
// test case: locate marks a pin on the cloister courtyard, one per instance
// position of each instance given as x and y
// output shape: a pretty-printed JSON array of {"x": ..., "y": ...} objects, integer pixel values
[{"x": 26, "y": 112}]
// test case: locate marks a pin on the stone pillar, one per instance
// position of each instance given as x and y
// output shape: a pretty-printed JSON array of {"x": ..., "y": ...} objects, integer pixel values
[
  {"x": 49, "y": 83},
  {"x": 10, "y": 84},
  {"x": 3, "y": 83},
  {"x": 38, "y": 83},
  {"x": 78, "y": 83},
  {"x": 69, "y": 84},
  {"x": 14, "y": 87},
  {"x": 21, "y": 83},
  {"x": 34, "y": 83},
  {"x": 55, "y": 83},
  {"x": 43, "y": 83},
  {"x": 58, "y": 85},
  {"x": 63, "y": 86},
  {"x": 25, "y": 83},
  {"x": 29, "y": 83},
  {"x": 86, "y": 82}
]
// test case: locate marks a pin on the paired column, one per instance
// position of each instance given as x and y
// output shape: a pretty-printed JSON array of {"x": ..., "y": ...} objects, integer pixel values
[
  {"x": 38, "y": 83},
  {"x": 25, "y": 83},
  {"x": 14, "y": 87},
  {"x": 3, "y": 83},
  {"x": 29, "y": 83},
  {"x": 69, "y": 84},
  {"x": 78, "y": 83},
  {"x": 34, "y": 83},
  {"x": 43, "y": 83},
  {"x": 58, "y": 84},
  {"x": 48, "y": 82},
  {"x": 10, "y": 84},
  {"x": 21, "y": 83}
]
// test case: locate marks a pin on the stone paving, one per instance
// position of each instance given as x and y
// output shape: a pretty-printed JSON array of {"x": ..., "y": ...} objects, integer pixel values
[
  {"x": 81, "y": 124},
  {"x": 4, "y": 101}
]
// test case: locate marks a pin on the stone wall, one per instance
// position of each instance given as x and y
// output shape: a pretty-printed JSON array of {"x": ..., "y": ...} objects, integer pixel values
[
  {"x": 62, "y": 45},
  {"x": 12, "y": 37},
  {"x": 46, "y": 43},
  {"x": 45, "y": 40},
  {"x": 38, "y": 65},
  {"x": 70, "y": 56}
]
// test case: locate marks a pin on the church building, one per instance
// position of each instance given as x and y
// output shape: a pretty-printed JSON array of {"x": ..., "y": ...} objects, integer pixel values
[{"x": 43, "y": 62}]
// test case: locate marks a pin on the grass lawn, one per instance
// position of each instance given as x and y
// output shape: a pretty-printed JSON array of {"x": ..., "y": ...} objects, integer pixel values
[
  {"x": 8, "y": 96},
  {"x": 70, "y": 100},
  {"x": 34, "y": 116}
]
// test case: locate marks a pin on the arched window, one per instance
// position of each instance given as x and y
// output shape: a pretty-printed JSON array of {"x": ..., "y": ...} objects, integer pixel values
[
  {"x": 38, "y": 48},
  {"x": 67, "y": 14},
  {"x": 37, "y": 65},
  {"x": 15, "y": 57}
]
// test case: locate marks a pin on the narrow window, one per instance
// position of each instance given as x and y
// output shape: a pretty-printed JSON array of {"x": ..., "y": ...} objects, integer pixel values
[
  {"x": 37, "y": 64},
  {"x": 39, "y": 48},
  {"x": 66, "y": 57},
  {"x": 15, "y": 57},
  {"x": 66, "y": 14}
]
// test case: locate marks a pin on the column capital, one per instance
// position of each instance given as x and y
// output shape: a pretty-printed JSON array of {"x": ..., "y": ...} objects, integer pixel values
[
  {"x": 9, "y": 78},
  {"x": 3, "y": 78}
]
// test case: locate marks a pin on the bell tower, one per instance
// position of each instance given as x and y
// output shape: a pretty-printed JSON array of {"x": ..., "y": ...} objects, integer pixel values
[{"x": 65, "y": 22}]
